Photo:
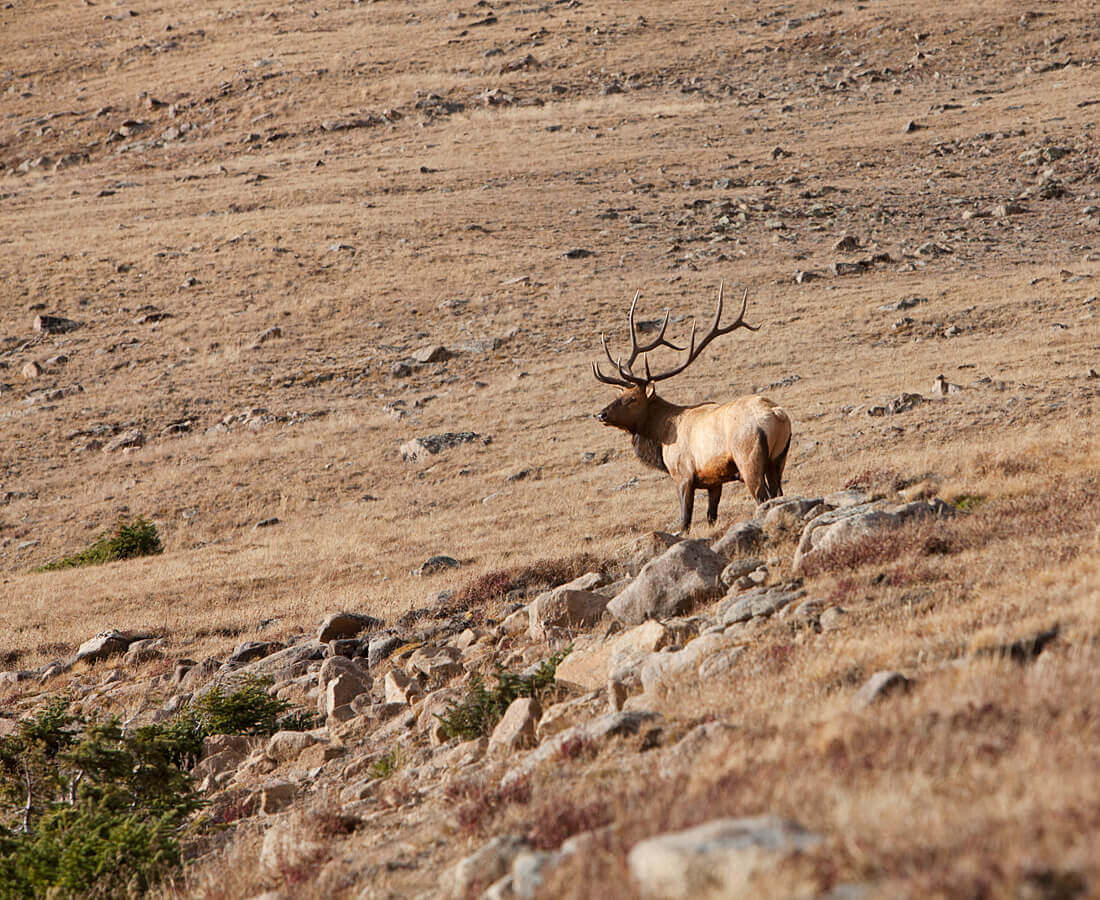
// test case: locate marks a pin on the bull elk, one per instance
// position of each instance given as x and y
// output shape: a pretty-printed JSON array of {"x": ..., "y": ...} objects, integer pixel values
[{"x": 705, "y": 445}]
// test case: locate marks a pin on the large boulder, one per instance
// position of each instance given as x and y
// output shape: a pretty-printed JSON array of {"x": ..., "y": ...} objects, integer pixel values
[
  {"x": 345, "y": 625},
  {"x": 727, "y": 858},
  {"x": 742, "y": 538},
  {"x": 849, "y": 525},
  {"x": 516, "y": 730},
  {"x": 685, "y": 574},
  {"x": 590, "y": 663},
  {"x": 564, "y": 608},
  {"x": 103, "y": 645}
]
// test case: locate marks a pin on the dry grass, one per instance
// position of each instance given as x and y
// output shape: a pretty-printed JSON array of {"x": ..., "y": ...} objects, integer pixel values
[{"x": 979, "y": 777}]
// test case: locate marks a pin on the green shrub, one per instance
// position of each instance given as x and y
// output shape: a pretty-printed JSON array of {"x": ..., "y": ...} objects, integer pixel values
[
  {"x": 130, "y": 539},
  {"x": 385, "y": 766},
  {"x": 92, "y": 810},
  {"x": 968, "y": 502},
  {"x": 480, "y": 710}
]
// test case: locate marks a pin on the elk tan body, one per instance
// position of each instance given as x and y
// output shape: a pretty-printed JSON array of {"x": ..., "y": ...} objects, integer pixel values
[{"x": 701, "y": 446}]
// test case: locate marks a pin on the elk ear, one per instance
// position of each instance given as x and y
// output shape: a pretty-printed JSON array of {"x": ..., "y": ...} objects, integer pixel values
[{"x": 650, "y": 391}]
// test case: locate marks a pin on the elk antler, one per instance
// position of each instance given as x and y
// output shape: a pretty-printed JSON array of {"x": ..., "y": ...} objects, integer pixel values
[
  {"x": 626, "y": 375},
  {"x": 715, "y": 331}
]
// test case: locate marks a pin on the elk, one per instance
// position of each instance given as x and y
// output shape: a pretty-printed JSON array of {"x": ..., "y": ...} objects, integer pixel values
[{"x": 704, "y": 445}]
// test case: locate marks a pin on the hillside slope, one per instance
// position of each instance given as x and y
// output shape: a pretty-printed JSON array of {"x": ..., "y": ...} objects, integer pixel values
[{"x": 260, "y": 223}]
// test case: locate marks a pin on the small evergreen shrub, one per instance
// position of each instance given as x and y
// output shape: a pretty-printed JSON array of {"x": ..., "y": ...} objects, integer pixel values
[
  {"x": 480, "y": 710},
  {"x": 129, "y": 540},
  {"x": 88, "y": 809}
]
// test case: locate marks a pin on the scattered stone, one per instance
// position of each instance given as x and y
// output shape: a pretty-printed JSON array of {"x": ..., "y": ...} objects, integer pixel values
[
  {"x": 489, "y": 864},
  {"x": 130, "y": 439},
  {"x": 437, "y": 664},
  {"x": 1004, "y": 210},
  {"x": 516, "y": 730},
  {"x": 400, "y": 688},
  {"x": 31, "y": 370},
  {"x": 577, "y": 253},
  {"x": 437, "y": 353},
  {"x": 741, "y": 538},
  {"x": 434, "y": 564},
  {"x": 669, "y": 585},
  {"x": 421, "y": 448},
  {"x": 832, "y": 618},
  {"x": 564, "y": 608},
  {"x": 901, "y": 403},
  {"x": 847, "y": 244},
  {"x": 941, "y": 387},
  {"x": 54, "y": 324},
  {"x": 103, "y": 645},
  {"x": 805, "y": 276},
  {"x": 840, "y": 267},
  {"x": 739, "y": 568},
  {"x": 728, "y": 858},
  {"x": 345, "y": 625},
  {"x": 646, "y": 547},
  {"x": 1024, "y": 649},
  {"x": 266, "y": 523},
  {"x": 277, "y": 796},
  {"x": 286, "y": 746},
  {"x": 592, "y": 661},
  {"x": 880, "y": 685},
  {"x": 252, "y": 650}
]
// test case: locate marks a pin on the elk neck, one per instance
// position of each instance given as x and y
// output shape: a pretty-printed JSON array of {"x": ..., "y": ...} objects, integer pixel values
[{"x": 658, "y": 428}]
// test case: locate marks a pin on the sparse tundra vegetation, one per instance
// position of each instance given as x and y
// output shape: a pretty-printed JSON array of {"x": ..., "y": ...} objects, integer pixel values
[{"x": 251, "y": 646}]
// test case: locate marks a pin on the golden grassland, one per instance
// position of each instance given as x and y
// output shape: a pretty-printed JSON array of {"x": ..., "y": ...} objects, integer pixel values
[{"x": 454, "y": 228}]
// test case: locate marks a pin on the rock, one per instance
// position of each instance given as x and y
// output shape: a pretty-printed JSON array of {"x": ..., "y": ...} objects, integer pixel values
[
  {"x": 590, "y": 664},
  {"x": 516, "y": 730},
  {"x": 421, "y": 448},
  {"x": 31, "y": 370},
  {"x": 345, "y": 625},
  {"x": 842, "y": 527},
  {"x": 277, "y": 796},
  {"x": 646, "y": 547},
  {"x": 288, "y": 846},
  {"x": 284, "y": 665},
  {"x": 129, "y": 439},
  {"x": 340, "y": 691},
  {"x": 434, "y": 564},
  {"x": 431, "y": 354},
  {"x": 252, "y": 650},
  {"x": 285, "y": 746},
  {"x": 437, "y": 664},
  {"x": 684, "y": 755},
  {"x": 759, "y": 602},
  {"x": 727, "y": 858},
  {"x": 434, "y": 707},
  {"x": 1004, "y": 210},
  {"x": 564, "y": 608},
  {"x": 788, "y": 513},
  {"x": 739, "y": 568},
  {"x": 400, "y": 688},
  {"x": 847, "y": 244},
  {"x": 832, "y": 618},
  {"x": 742, "y": 538},
  {"x": 880, "y": 685},
  {"x": 380, "y": 647},
  {"x": 144, "y": 650},
  {"x": 356, "y": 681},
  {"x": 941, "y": 387},
  {"x": 568, "y": 713},
  {"x": 54, "y": 324},
  {"x": 492, "y": 862},
  {"x": 102, "y": 646},
  {"x": 683, "y": 575},
  {"x": 659, "y": 670},
  {"x": 839, "y": 267}
]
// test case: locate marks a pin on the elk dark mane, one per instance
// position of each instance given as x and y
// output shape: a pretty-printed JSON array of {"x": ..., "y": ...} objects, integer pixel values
[{"x": 649, "y": 452}]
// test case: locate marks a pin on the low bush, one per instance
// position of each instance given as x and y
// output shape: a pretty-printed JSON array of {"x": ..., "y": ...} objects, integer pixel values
[
  {"x": 88, "y": 808},
  {"x": 482, "y": 707},
  {"x": 129, "y": 540}
]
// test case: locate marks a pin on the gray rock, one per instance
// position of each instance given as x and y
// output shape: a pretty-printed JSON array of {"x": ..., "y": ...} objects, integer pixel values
[
  {"x": 277, "y": 796},
  {"x": 739, "y": 568},
  {"x": 762, "y": 602},
  {"x": 880, "y": 685},
  {"x": 845, "y": 526},
  {"x": 285, "y": 746},
  {"x": 564, "y": 607},
  {"x": 435, "y": 564},
  {"x": 380, "y": 647},
  {"x": 345, "y": 625},
  {"x": 489, "y": 864},
  {"x": 742, "y": 538},
  {"x": 685, "y": 574},
  {"x": 726, "y": 858},
  {"x": 516, "y": 729},
  {"x": 433, "y": 354},
  {"x": 252, "y": 650},
  {"x": 54, "y": 324},
  {"x": 102, "y": 646},
  {"x": 132, "y": 438},
  {"x": 421, "y": 448}
]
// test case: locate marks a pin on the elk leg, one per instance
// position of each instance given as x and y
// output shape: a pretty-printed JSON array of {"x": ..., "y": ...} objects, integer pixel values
[
  {"x": 687, "y": 503},
  {"x": 714, "y": 496}
]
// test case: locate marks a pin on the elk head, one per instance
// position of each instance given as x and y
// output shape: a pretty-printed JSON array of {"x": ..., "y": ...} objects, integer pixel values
[{"x": 630, "y": 409}]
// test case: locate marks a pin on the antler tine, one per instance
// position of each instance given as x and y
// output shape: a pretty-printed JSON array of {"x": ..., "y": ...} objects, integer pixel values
[
  {"x": 607, "y": 379},
  {"x": 715, "y": 331}
]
